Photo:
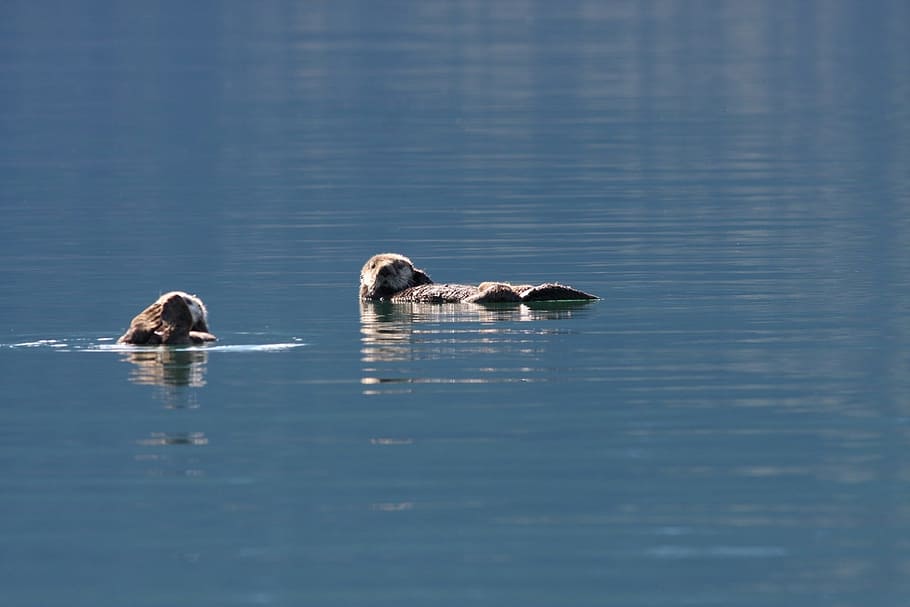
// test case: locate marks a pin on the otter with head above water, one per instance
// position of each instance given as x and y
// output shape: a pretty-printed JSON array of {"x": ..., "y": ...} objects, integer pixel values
[
  {"x": 176, "y": 318},
  {"x": 392, "y": 277}
]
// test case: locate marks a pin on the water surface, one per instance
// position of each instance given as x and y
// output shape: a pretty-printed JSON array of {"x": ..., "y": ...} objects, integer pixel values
[{"x": 728, "y": 425}]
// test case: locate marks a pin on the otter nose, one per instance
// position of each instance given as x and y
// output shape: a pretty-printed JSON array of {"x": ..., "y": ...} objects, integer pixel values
[{"x": 384, "y": 272}]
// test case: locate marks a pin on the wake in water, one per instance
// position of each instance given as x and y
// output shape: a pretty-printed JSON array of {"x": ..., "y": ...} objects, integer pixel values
[
  {"x": 219, "y": 348},
  {"x": 171, "y": 367},
  {"x": 108, "y": 344},
  {"x": 40, "y": 343}
]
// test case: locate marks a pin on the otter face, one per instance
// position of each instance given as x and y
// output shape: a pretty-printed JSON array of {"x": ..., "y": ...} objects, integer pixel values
[{"x": 385, "y": 274}]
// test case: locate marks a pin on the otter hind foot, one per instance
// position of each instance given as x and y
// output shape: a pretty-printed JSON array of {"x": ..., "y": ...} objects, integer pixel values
[{"x": 553, "y": 292}]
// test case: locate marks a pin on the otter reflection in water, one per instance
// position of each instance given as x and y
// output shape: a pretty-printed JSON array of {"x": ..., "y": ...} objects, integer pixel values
[
  {"x": 395, "y": 332},
  {"x": 393, "y": 277},
  {"x": 168, "y": 367}
]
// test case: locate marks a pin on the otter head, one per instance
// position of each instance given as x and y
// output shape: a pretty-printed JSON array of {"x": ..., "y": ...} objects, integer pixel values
[
  {"x": 197, "y": 310},
  {"x": 175, "y": 318},
  {"x": 386, "y": 274}
]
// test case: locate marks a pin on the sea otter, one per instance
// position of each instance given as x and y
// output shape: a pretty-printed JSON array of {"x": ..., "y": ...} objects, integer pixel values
[
  {"x": 392, "y": 277},
  {"x": 176, "y": 318}
]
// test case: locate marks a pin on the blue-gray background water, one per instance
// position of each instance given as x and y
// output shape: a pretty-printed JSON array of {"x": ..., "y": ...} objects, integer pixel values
[{"x": 729, "y": 425}]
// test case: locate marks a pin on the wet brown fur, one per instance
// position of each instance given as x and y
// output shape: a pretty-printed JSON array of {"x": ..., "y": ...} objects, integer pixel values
[
  {"x": 393, "y": 277},
  {"x": 168, "y": 321}
]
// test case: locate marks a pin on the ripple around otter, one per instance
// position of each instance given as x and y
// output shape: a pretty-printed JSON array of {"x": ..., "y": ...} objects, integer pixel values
[
  {"x": 101, "y": 345},
  {"x": 277, "y": 347}
]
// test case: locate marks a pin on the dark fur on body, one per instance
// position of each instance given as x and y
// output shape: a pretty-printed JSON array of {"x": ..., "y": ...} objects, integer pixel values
[
  {"x": 170, "y": 321},
  {"x": 393, "y": 277}
]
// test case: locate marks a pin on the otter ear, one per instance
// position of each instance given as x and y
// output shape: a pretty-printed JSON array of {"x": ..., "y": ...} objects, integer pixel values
[{"x": 419, "y": 277}]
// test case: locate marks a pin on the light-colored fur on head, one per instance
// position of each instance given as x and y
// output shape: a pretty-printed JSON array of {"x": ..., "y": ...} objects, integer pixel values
[
  {"x": 385, "y": 274},
  {"x": 197, "y": 309},
  {"x": 176, "y": 317}
]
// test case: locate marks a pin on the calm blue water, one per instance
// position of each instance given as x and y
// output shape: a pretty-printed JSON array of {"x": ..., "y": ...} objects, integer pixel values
[{"x": 729, "y": 425}]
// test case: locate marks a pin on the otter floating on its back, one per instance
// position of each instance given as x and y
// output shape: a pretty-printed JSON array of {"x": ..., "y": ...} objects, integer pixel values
[
  {"x": 176, "y": 318},
  {"x": 393, "y": 277}
]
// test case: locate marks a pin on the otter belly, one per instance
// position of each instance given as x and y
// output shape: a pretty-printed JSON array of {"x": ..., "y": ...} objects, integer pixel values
[{"x": 436, "y": 293}]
